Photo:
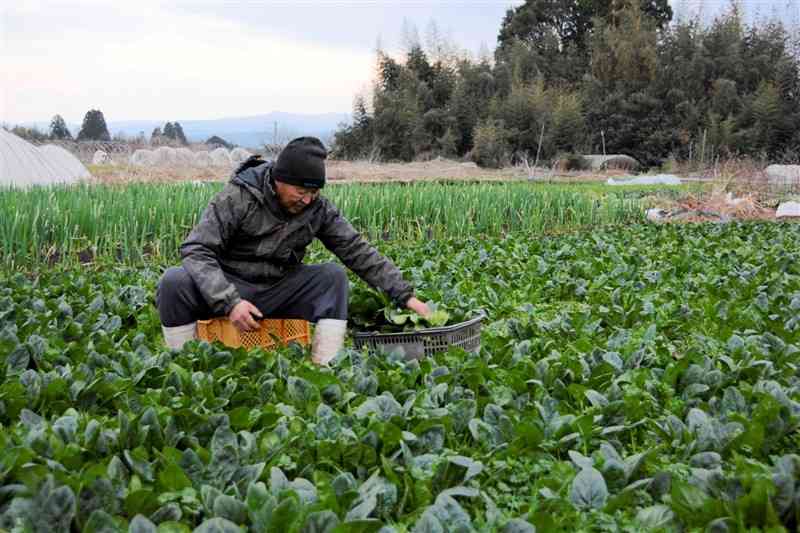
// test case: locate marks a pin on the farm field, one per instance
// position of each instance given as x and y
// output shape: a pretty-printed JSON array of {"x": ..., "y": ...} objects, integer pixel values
[
  {"x": 631, "y": 378},
  {"x": 591, "y": 215}
]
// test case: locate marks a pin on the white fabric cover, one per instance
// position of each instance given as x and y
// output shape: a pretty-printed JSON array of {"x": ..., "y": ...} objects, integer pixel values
[
  {"x": 184, "y": 156},
  {"x": 220, "y": 157},
  {"x": 788, "y": 209},
  {"x": 202, "y": 159},
  {"x": 239, "y": 155},
  {"x": 100, "y": 157},
  {"x": 22, "y": 164},
  {"x": 165, "y": 155},
  {"x": 143, "y": 158}
]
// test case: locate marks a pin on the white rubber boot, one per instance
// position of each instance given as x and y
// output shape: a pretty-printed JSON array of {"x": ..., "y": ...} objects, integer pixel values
[
  {"x": 177, "y": 336},
  {"x": 328, "y": 340}
]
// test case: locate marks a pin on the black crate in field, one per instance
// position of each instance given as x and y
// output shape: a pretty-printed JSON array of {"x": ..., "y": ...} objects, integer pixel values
[{"x": 424, "y": 342}]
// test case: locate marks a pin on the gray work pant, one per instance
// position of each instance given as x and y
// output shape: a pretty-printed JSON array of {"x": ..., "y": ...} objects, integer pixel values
[{"x": 311, "y": 292}]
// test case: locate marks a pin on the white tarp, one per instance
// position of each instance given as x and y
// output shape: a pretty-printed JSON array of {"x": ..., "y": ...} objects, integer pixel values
[
  {"x": 788, "y": 210},
  {"x": 100, "y": 157},
  {"x": 22, "y": 164},
  {"x": 783, "y": 174},
  {"x": 658, "y": 179}
]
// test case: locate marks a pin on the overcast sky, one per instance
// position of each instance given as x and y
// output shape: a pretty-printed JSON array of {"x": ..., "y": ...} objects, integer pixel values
[{"x": 200, "y": 60}]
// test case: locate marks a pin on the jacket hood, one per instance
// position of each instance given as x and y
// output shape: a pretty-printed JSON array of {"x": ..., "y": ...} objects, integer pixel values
[{"x": 254, "y": 176}]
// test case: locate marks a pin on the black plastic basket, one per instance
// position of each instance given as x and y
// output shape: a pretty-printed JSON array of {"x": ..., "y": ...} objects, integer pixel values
[{"x": 424, "y": 342}]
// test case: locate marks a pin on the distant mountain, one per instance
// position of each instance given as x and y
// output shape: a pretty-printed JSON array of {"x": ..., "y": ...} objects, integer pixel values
[{"x": 250, "y": 132}]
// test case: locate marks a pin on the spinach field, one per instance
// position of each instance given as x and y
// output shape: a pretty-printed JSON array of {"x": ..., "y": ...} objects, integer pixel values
[{"x": 639, "y": 378}]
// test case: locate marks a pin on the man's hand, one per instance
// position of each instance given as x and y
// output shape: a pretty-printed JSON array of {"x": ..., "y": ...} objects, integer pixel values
[
  {"x": 419, "y": 307},
  {"x": 242, "y": 316}
]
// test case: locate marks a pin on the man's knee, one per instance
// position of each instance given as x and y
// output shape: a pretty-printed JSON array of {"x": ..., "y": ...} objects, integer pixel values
[
  {"x": 176, "y": 299},
  {"x": 335, "y": 275},
  {"x": 173, "y": 281}
]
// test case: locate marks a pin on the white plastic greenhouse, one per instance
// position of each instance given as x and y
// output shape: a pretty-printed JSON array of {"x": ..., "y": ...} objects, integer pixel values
[
  {"x": 65, "y": 162},
  {"x": 23, "y": 164}
]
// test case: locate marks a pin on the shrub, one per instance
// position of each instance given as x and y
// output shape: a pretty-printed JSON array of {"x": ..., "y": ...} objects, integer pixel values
[{"x": 492, "y": 148}]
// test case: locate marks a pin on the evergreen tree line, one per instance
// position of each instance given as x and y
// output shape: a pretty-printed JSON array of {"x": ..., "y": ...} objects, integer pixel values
[
  {"x": 94, "y": 128},
  {"x": 607, "y": 76},
  {"x": 172, "y": 133}
]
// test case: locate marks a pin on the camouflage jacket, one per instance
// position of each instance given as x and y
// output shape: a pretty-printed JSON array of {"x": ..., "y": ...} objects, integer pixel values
[{"x": 244, "y": 232}]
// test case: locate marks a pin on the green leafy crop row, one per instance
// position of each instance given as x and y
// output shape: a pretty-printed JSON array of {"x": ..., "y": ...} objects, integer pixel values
[{"x": 629, "y": 380}]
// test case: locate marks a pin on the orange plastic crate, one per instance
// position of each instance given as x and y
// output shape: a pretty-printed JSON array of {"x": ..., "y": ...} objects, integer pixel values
[{"x": 286, "y": 330}]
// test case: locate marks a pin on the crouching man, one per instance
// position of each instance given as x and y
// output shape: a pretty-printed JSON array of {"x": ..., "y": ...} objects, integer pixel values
[{"x": 244, "y": 259}]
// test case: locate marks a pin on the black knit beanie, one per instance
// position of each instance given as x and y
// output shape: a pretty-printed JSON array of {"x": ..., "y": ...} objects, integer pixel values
[{"x": 302, "y": 163}]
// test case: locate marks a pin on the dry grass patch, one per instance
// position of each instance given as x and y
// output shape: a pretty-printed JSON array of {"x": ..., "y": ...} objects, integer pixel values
[
  {"x": 358, "y": 172},
  {"x": 435, "y": 170},
  {"x": 122, "y": 174}
]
